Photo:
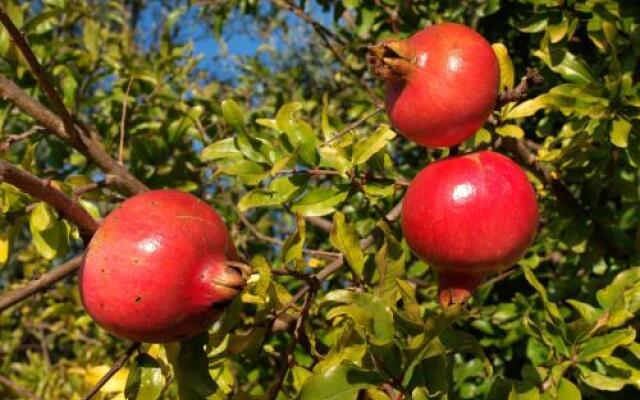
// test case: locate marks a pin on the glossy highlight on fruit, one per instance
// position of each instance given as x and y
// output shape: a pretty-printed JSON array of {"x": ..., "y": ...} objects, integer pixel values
[
  {"x": 155, "y": 269},
  {"x": 469, "y": 216},
  {"x": 442, "y": 83}
]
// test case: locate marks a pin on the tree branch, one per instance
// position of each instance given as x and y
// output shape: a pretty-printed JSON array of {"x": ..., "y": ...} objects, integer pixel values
[
  {"x": 56, "y": 100},
  {"x": 42, "y": 190},
  {"x": 18, "y": 389},
  {"x": 521, "y": 91},
  {"x": 9, "y": 299},
  {"x": 120, "y": 362}
]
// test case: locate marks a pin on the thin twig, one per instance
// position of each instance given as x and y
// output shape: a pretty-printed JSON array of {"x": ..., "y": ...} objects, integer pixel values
[
  {"x": 18, "y": 389},
  {"x": 120, "y": 362},
  {"x": 355, "y": 124},
  {"x": 288, "y": 361},
  {"x": 521, "y": 91},
  {"x": 90, "y": 146},
  {"x": 42, "y": 190},
  {"x": 9, "y": 140},
  {"x": 9, "y": 299},
  {"x": 123, "y": 122}
]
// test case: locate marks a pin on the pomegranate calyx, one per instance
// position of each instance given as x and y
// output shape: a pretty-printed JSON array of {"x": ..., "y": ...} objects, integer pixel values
[
  {"x": 456, "y": 288},
  {"x": 391, "y": 60}
]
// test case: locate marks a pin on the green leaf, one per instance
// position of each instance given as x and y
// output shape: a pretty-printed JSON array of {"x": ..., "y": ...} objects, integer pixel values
[
  {"x": 292, "y": 248},
  {"x": 507, "y": 74},
  {"x": 145, "y": 381},
  {"x": 345, "y": 238},
  {"x": 604, "y": 345},
  {"x": 568, "y": 391},
  {"x": 622, "y": 292},
  {"x": 528, "y": 107},
  {"x": 365, "y": 149},
  {"x": 565, "y": 63},
  {"x": 256, "y": 292},
  {"x": 550, "y": 307},
  {"x": 191, "y": 368},
  {"x": 599, "y": 381},
  {"x": 342, "y": 382},
  {"x": 367, "y": 310},
  {"x": 41, "y": 217},
  {"x": 524, "y": 391},
  {"x": 224, "y": 149},
  {"x": 249, "y": 171},
  {"x": 619, "y": 133},
  {"x": 280, "y": 190},
  {"x": 513, "y": 131},
  {"x": 319, "y": 201},
  {"x": 390, "y": 265},
  {"x": 286, "y": 116},
  {"x": 233, "y": 114},
  {"x": 4, "y": 246}
]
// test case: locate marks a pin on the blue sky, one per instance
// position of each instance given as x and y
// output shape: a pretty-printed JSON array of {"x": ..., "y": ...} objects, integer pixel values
[{"x": 236, "y": 42}]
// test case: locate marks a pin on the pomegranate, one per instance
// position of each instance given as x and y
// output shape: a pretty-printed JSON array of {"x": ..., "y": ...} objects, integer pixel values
[
  {"x": 469, "y": 216},
  {"x": 155, "y": 269},
  {"x": 442, "y": 83}
]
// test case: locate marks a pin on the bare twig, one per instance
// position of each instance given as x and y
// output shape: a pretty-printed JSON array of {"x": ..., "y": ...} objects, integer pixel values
[
  {"x": 334, "y": 266},
  {"x": 288, "y": 361},
  {"x": 18, "y": 389},
  {"x": 42, "y": 190},
  {"x": 9, "y": 140},
  {"x": 268, "y": 239},
  {"x": 120, "y": 362},
  {"x": 521, "y": 91},
  {"x": 90, "y": 146},
  {"x": 123, "y": 122},
  {"x": 9, "y": 299},
  {"x": 355, "y": 124}
]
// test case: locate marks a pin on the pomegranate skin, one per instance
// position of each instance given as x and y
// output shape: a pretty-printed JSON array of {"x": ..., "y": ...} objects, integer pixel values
[
  {"x": 155, "y": 270},
  {"x": 450, "y": 89},
  {"x": 469, "y": 216}
]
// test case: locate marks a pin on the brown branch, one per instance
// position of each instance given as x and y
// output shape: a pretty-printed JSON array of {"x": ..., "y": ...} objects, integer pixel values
[
  {"x": 9, "y": 140},
  {"x": 9, "y": 299},
  {"x": 268, "y": 239},
  {"x": 20, "y": 41},
  {"x": 42, "y": 190},
  {"x": 18, "y": 389},
  {"x": 120, "y": 362},
  {"x": 90, "y": 146},
  {"x": 521, "y": 91},
  {"x": 288, "y": 361}
]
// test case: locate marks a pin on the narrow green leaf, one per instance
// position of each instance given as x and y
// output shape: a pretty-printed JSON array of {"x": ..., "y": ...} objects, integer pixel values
[
  {"x": 223, "y": 149},
  {"x": 319, "y": 201},
  {"x": 145, "y": 380},
  {"x": 344, "y": 238},
  {"x": 366, "y": 148},
  {"x": 507, "y": 74},
  {"x": 619, "y": 133},
  {"x": 604, "y": 345},
  {"x": 510, "y": 130},
  {"x": 233, "y": 114},
  {"x": 191, "y": 368},
  {"x": 292, "y": 248}
]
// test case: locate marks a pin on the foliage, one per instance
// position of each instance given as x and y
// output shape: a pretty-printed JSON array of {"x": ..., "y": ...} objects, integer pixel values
[{"x": 269, "y": 148}]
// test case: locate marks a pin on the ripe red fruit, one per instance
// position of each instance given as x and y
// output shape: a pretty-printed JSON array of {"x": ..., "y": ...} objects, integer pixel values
[
  {"x": 469, "y": 216},
  {"x": 442, "y": 83},
  {"x": 155, "y": 269}
]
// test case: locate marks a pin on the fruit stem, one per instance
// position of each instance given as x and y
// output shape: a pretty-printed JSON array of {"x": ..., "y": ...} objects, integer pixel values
[
  {"x": 391, "y": 60},
  {"x": 456, "y": 287}
]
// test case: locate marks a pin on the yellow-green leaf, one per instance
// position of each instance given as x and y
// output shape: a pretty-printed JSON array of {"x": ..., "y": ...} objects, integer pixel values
[
  {"x": 507, "y": 75},
  {"x": 513, "y": 131}
]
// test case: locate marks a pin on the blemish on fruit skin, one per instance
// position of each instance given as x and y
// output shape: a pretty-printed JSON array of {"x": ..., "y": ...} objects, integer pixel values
[
  {"x": 138, "y": 299},
  {"x": 135, "y": 260}
]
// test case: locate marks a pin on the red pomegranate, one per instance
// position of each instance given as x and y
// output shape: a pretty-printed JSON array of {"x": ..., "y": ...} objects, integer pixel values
[
  {"x": 155, "y": 269},
  {"x": 442, "y": 83},
  {"x": 469, "y": 216}
]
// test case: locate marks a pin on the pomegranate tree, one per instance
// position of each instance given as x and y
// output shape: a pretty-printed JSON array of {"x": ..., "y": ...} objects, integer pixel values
[
  {"x": 442, "y": 83},
  {"x": 155, "y": 270},
  {"x": 469, "y": 216}
]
